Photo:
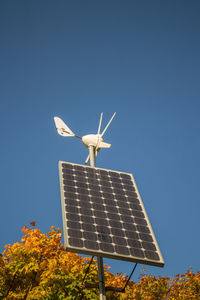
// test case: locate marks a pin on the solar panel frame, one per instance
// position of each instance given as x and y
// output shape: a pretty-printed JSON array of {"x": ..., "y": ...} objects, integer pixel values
[{"x": 92, "y": 217}]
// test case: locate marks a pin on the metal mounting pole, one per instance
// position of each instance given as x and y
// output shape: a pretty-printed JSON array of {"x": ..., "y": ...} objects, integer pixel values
[
  {"x": 92, "y": 155},
  {"x": 102, "y": 290}
]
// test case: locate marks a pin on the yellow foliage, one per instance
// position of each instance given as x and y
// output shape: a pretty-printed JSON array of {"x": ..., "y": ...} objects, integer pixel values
[{"x": 38, "y": 267}]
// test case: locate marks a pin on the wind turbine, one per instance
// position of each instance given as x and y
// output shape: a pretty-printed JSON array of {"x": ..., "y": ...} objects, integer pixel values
[{"x": 94, "y": 140}]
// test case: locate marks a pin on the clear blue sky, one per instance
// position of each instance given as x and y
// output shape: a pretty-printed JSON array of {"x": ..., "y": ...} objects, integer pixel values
[{"x": 75, "y": 59}]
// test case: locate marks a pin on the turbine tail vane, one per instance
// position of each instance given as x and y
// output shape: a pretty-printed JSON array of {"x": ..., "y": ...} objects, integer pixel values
[{"x": 63, "y": 129}]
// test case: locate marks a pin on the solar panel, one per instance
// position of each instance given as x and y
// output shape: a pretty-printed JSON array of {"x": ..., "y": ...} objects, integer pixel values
[{"x": 103, "y": 214}]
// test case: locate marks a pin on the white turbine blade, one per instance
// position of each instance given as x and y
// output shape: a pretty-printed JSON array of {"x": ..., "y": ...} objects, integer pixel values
[
  {"x": 98, "y": 132},
  {"x": 104, "y": 145},
  {"x": 108, "y": 124},
  {"x": 87, "y": 159},
  {"x": 96, "y": 152}
]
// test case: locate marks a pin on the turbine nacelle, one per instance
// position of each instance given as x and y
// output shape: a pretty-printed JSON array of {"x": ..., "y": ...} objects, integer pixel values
[{"x": 95, "y": 140}]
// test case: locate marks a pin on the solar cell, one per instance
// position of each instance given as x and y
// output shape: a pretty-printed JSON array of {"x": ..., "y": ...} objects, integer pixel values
[{"x": 103, "y": 214}]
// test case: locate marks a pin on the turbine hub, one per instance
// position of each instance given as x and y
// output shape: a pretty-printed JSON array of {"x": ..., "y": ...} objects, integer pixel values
[{"x": 92, "y": 139}]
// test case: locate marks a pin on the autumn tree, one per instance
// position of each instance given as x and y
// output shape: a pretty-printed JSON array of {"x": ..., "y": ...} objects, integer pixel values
[{"x": 38, "y": 267}]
